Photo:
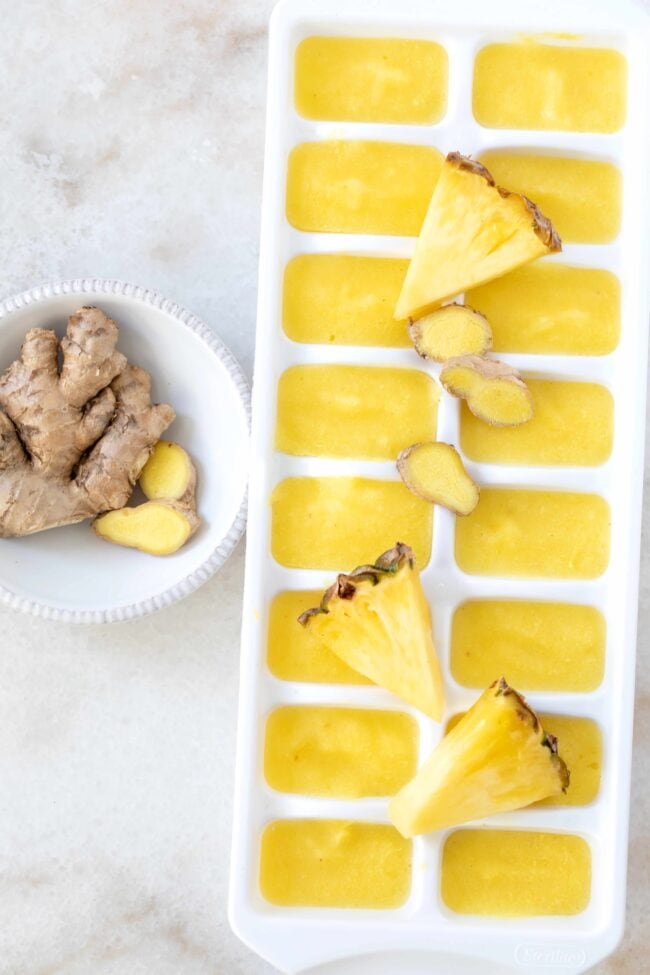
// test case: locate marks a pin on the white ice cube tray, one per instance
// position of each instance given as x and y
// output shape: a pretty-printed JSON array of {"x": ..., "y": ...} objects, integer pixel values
[{"x": 423, "y": 935}]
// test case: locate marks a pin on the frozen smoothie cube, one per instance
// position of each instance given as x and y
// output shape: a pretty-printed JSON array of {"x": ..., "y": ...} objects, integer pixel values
[
  {"x": 515, "y": 873},
  {"x": 341, "y": 522},
  {"x": 334, "y": 863},
  {"x": 359, "y": 187},
  {"x": 354, "y": 411},
  {"x": 293, "y": 653},
  {"x": 543, "y": 534},
  {"x": 573, "y": 425},
  {"x": 580, "y": 745},
  {"x": 582, "y": 197},
  {"x": 371, "y": 79},
  {"x": 537, "y": 646},
  {"x": 548, "y": 86},
  {"x": 344, "y": 300},
  {"x": 342, "y": 753},
  {"x": 552, "y": 308}
]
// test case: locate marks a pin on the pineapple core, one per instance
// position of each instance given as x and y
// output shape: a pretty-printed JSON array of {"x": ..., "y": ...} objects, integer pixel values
[{"x": 497, "y": 758}]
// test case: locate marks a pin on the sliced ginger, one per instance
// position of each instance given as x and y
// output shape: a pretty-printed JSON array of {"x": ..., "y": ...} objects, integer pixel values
[
  {"x": 168, "y": 519},
  {"x": 474, "y": 231},
  {"x": 435, "y": 472},
  {"x": 451, "y": 331},
  {"x": 156, "y": 527},
  {"x": 169, "y": 474},
  {"x": 494, "y": 391}
]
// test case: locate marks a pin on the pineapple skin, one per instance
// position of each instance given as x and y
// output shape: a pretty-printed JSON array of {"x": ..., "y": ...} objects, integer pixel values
[{"x": 496, "y": 759}]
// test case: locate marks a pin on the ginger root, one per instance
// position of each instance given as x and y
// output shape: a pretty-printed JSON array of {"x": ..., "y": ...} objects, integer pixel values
[
  {"x": 72, "y": 442},
  {"x": 435, "y": 472},
  {"x": 450, "y": 331},
  {"x": 494, "y": 391},
  {"x": 168, "y": 518}
]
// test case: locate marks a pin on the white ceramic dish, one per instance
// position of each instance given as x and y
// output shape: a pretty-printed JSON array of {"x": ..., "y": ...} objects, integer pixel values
[
  {"x": 423, "y": 935},
  {"x": 71, "y": 575}
]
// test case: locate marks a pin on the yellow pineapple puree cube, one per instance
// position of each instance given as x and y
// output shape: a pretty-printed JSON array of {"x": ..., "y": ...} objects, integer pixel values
[
  {"x": 552, "y": 308},
  {"x": 550, "y": 86},
  {"x": 531, "y": 533},
  {"x": 340, "y": 753},
  {"x": 334, "y": 863},
  {"x": 292, "y": 651},
  {"x": 341, "y": 299},
  {"x": 371, "y": 79},
  {"x": 354, "y": 411},
  {"x": 580, "y": 744},
  {"x": 538, "y": 646},
  {"x": 360, "y": 187},
  {"x": 341, "y": 522},
  {"x": 515, "y": 873},
  {"x": 582, "y": 197},
  {"x": 573, "y": 425}
]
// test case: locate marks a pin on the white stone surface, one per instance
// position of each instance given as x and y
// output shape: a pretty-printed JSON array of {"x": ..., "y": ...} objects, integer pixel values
[{"x": 131, "y": 146}]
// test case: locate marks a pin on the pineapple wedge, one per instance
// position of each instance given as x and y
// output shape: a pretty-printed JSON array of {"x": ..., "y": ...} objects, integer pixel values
[
  {"x": 474, "y": 231},
  {"x": 497, "y": 758},
  {"x": 376, "y": 619}
]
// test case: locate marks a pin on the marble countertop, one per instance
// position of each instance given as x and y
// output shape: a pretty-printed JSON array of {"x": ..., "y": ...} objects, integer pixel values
[{"x": 132, "y": 148}]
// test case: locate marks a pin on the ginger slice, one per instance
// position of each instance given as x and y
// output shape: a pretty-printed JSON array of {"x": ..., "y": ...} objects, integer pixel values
[
  {"x": 169, "y": 474},
  {"x": 434, "y": 471},
  {"x": 155, "y": 527},
  {"x": 450, "y": 331},
  {"x": 474, "y": 231},
  {"x": 168, "y": 519},
  {"x": 493, "y": 390}
]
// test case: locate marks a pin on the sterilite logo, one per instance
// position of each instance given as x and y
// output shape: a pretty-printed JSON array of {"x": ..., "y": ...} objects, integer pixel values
[{"x": 550, "y": 957}]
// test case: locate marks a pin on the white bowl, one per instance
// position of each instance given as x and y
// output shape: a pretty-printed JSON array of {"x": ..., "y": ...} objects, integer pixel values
[{"x": 69, "y": 573}]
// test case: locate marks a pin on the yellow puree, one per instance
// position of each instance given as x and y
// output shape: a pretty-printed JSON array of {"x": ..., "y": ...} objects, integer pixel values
[
  {"x": 354, "y": 411},
  {"x": 334, "y": 863},
  {"x": 512, "y": 873},
  {"x": 339, "y": 522},
  {"x": 338, "y": 299},
  {"x": 529, "y": 533},
  {"x": 371, "y": 79},
  {"x": 360, "y": 187},
  {"x": 537, "y": 646},
  {"x": 550, "y": 86},
  {"x": 546, "y": 307},
  {"x": 343, "y": 753}
]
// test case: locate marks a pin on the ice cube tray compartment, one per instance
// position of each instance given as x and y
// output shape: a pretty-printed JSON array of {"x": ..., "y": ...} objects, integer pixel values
[{"x": 297, "y": 938}]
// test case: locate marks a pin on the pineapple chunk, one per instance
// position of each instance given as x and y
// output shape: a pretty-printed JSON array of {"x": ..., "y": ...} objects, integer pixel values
[
  {"x": 376, "y": 619},
  {"x": 497, "y": 758},
  {"x": 474, "y": 231}
]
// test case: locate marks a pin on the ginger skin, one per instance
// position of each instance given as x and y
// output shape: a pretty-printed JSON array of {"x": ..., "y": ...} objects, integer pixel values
[{"x": 72, "y": 443}]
